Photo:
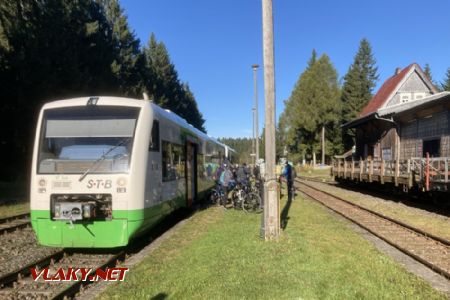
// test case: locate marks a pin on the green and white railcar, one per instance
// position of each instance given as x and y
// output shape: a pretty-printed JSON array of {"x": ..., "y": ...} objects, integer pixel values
[{"x": 106, "y": 169}]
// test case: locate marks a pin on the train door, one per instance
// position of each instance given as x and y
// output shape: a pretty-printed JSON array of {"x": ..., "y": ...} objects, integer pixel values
[{"x": 191, "y": 172}]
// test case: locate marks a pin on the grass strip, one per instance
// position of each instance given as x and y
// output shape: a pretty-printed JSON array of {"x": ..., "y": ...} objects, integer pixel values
[
  {"x": 14, "y": 209},
  {"x": 219, "y": 255}
]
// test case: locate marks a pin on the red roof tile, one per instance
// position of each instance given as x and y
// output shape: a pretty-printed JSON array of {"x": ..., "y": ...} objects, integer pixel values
[{"x": 384, "y": 92}]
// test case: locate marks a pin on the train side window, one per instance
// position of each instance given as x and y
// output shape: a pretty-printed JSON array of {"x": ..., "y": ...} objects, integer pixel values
[
  {"x": 154, "y": 143},
  {"x": 173, "y": 161}
]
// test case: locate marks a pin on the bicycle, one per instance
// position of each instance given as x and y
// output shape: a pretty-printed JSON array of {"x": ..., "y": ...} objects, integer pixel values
[
  {"x": 216, "y": 196},
  {"x": 243, "y": 197}
]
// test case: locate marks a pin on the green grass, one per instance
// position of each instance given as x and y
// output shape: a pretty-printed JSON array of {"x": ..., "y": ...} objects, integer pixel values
[
  {"x": 14, "y": 209},
  {"x": 218, "y": 255},
  {"x": 314, "y": 173}
]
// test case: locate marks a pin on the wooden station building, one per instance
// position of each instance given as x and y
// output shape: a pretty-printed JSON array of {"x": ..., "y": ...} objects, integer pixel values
[{"x": 402, "y": 134}]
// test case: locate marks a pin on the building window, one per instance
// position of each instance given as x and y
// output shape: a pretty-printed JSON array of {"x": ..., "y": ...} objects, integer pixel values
[
  {"x": 173, "y": 161},
  {"x": 404, "y": 98},
  {"x": 386, "y": 154},
  {"x": 419, "y": 96},
  {"x": 432, "y": 147},
  {"x": 154, "y": 139}
]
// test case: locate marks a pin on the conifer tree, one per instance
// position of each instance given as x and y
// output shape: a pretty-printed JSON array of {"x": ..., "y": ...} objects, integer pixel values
[
  {"x": 165, "y": 87},
  {"x": 445, "y": 86},
  {"x": 49, "y": 50},
  {"x": 313, "y": 104},
  {"x": 53, "y": 49},
  {"x": 191, "y": 113},
  {"x": 358, "y": 86},
  {"x": 427, "y": 71},
  {"x": 164, "y": 82},
  {"x": 128, "y": 62}
]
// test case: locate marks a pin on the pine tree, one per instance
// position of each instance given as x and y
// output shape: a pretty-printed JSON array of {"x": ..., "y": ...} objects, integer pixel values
[
  {"x": 313, "y": 58},
  {"x": 445, "y": 86},
  {"x": 163, "y": 84},
  {"x": 53, "y": 49},
  {"x": 358, "y": 86},
  {"x": 243, "y": 147},
  {"x": 313, "y": 104},
  {"x": 50, "y": 49},
  {"x": 191, "y": 113},
  {"x": 427, "y": 71},
  {"x": 127, "y": 66}
]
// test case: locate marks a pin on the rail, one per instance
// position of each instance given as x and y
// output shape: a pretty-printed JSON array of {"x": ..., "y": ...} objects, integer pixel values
[
  {"x": 12, "y": 223},
  {"x": 433, "y": 251}
]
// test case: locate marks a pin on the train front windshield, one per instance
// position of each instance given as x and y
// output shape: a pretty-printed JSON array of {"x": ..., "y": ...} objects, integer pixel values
[{"x": 87, "y": 139}]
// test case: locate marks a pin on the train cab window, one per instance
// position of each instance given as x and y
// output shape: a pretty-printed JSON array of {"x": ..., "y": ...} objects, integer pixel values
[{"x": 154, "y": 142}]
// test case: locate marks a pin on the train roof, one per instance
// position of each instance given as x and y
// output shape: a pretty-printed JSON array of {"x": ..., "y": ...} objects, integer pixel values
[{"x": 105, "y": 100}]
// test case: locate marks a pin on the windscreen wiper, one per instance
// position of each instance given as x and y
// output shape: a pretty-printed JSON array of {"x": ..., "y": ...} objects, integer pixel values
[{"x": 101, "y": 158}]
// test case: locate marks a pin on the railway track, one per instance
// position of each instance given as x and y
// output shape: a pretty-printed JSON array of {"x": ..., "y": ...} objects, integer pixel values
[
  {"x": 13, "y": 223},
  {"x": 20, "y": 284},
  {"x": 426, "y": 248},
  {"x": 313, "y": 179}
]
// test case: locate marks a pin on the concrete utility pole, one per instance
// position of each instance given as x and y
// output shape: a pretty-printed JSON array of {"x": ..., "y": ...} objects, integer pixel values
[
  {"x": 271, "y": 223},
  {"x": 255, "y": 69}
]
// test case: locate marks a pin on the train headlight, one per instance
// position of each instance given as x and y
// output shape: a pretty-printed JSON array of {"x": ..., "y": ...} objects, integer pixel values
[
  {"x": 57, "y": 210},
  {"x": 86, "y": 211},
  {"x": 121, "y": 182},
  {"x": 42, "y": 182}
]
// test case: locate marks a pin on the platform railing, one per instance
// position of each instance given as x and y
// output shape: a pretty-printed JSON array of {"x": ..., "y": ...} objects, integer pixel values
[
  {"x": 438, "y": 169},
  {"x": 429, "y": 171}
]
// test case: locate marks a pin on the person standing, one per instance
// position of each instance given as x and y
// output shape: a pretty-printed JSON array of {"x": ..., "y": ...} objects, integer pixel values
[
  {"x": 242, "y": 175},
  {"x": 225, "y": 180},
  {"x": 288, "y": 175}
]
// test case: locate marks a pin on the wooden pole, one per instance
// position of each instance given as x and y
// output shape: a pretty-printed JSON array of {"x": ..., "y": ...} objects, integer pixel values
[
  {"x": 323, "y": 146},
  {"x": 427, "y": 172},
  {"x": 271, "y": 230},
  {"x": 353, "y": 169},
  {"x": 314, "y": 160}
]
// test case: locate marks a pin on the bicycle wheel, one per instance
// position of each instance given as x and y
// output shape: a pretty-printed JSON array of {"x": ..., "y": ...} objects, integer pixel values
[
  {"x": 235, "y": 199},
  {"x": 252, "y": 202},
  {"x": 214, "y": 198}
]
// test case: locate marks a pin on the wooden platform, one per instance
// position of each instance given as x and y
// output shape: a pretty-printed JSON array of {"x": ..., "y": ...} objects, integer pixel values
[{"x": 425, "y": 173}]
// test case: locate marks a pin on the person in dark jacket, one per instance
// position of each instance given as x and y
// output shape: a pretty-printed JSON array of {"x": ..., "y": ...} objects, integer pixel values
[
  {"x": 225, "y": 181},
  {"x": 242, "y": 174},
  {"x": 288, "y": 175}
]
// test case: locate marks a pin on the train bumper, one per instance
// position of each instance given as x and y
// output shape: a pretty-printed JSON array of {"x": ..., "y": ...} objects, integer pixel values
[{"x": 95, "y": 234}]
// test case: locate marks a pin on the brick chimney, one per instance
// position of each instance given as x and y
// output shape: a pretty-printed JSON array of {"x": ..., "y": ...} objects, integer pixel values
[{"x": 397, "y": 71}]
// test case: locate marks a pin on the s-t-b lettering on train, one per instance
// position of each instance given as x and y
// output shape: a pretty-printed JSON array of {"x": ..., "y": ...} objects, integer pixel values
[{"x": 99, "y": 183}]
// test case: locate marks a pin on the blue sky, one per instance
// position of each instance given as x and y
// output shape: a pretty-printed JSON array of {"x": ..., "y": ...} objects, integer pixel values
[{"x": 214, "y": 43}]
